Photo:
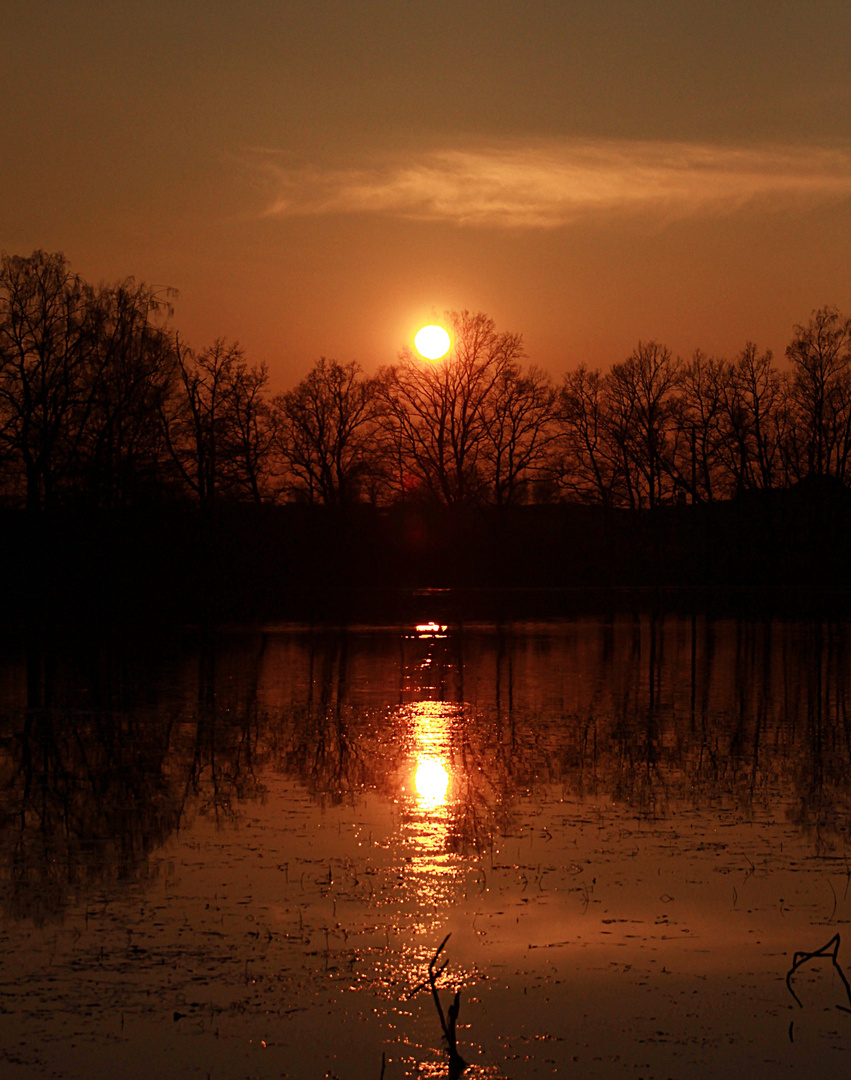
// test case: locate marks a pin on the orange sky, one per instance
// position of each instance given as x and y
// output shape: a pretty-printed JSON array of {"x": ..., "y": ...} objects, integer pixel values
[{"x": 317, "y": 179}]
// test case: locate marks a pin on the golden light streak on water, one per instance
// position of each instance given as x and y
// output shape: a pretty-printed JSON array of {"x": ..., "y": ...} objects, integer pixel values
[
  {"x": 433, "y": 770},
  {"x": 429, "y": 790}
]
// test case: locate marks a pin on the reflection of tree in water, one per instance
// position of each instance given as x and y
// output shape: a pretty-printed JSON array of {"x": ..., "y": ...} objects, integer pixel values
[
  {"x": 481, "y": 744},
  {"x": 664, "y": 713},
  {"x": 219, "y": 749},
  {"x": 340, "y": 748},
  {"x": 486, "y": 766},
  {"x": 654, "y": 713},
  {"x": 87, "y": 794},
  {"x": 336, "y": 750},
  {"x": 84, "y": 798},
  {"x": 816, "y": 707},
  {"x": 745, "y": 729}
]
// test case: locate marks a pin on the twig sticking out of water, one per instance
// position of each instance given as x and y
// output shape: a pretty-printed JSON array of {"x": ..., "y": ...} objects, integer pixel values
[
  {"x": 447, "y": 1021},
  {"x": 831, "y": 949}
]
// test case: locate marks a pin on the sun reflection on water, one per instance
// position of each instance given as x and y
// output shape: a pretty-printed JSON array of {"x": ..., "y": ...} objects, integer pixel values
[
  {"x": 433, "y": 760},
  {"x": 431, "y": 781}
]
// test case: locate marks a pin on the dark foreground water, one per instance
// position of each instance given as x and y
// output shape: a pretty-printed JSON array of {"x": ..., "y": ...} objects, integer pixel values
[{"x": 234, "y": 855}]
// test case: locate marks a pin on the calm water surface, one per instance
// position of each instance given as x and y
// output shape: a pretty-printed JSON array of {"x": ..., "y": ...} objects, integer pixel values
[{"x": 234, "y": 855}]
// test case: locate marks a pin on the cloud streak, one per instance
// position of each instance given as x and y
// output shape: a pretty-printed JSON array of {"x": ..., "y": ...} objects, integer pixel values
[{"x": 546, "y": 185}]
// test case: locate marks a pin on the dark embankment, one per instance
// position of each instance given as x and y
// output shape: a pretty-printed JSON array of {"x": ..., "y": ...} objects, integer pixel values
[{"x": 247, "y": 562}]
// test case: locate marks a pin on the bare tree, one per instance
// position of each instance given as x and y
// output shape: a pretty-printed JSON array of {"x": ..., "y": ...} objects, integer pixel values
[
  {"x": 820, "y": 354},
  {"x": 46, "y": 381},
  {"x": 436, "y": 414},
  {"x": 213, "y": 423},
  {"x": 754, "y": 408},
  {"x": 251, "y": 433},
  {"x": 325, "y": 433},
  {"x": 700, "y": 439},
  {"x": 123, "y": 447},
  {"x": 519, "y": 433},
  {"x": 588, "y": 465},
  {"x": 641, "y": 391}
]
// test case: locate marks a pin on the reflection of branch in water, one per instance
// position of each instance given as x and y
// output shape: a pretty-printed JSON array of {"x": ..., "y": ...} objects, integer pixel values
[
  {"x": 831, "y": 949},
  {"x": 338, "y": 754},
  {"x": 84, "y": 798},
  {"x": 489, "y": 766},
  {"x": 87, "y": 796},
  {"x": 221, "y": 761}
]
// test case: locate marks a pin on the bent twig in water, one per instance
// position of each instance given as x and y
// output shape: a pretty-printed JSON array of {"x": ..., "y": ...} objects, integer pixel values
[
  {"x": 831, "y": 949},
  {"x": 456, "y": 1063}
]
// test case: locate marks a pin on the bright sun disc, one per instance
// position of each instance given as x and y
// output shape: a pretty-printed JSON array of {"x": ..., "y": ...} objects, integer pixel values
[{"x": 432, "y": 342}]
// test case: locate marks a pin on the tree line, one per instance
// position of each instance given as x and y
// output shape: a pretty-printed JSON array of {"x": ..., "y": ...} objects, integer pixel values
[{"x": 103, "y": 405}]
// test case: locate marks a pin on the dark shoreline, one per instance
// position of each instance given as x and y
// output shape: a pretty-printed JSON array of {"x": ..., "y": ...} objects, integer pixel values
[{"x": 783, "y": 554}]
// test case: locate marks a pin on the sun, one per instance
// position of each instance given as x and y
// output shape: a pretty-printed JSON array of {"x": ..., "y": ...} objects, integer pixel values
[{"x": 432, "y": 342}]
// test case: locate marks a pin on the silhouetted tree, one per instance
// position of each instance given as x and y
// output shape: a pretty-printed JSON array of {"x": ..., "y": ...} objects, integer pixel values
[
  {"x": 48, "y": 369},
  {"x": 700, "y": 438},
  {"x": 641, "y": 391},
  {"x": 519, "y": 433},
  {"x": 436, "y": 414},
  {"x": 214, "y": 423},
  {"x": 588, "y": 464},
  {"x": 100, "y": 402},
  {"x": 820, "y": 354},
  {"x": 123, "y": 449},
  {"x": 325, "y": 433},
  {"x": 755, "y": 408},
  {"x": 251, "y": 434}
]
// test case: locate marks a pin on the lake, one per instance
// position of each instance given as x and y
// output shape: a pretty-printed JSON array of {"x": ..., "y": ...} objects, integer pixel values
[{"x": 234, "y": 854}]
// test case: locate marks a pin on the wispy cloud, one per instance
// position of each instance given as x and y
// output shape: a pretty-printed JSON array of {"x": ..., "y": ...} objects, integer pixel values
[{"x": 550, "y": 184}]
